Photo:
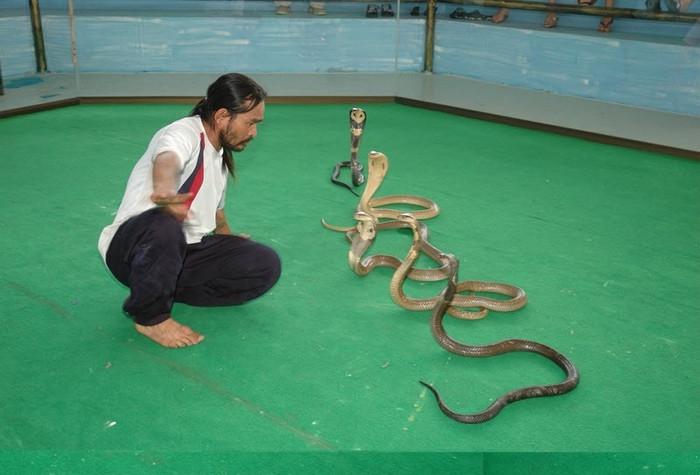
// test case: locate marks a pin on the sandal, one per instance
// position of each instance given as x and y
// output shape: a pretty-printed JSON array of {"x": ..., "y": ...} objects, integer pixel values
[
  {"x": 605, "y": 25},
  {"x": 673, "y": 6},
  {"x": 653, "y": 5},
  {"x": 476, "y": 15},
  {"x": 587, "y": 3},
  {"x": 458, "y": 13},
  {"x": 551, "y": 20}
]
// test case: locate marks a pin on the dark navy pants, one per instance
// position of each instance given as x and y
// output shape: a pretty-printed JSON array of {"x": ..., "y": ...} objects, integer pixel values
[{"x": 149, "y": 255}]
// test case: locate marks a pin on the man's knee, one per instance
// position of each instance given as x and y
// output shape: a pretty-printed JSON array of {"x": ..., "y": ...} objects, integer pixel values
[
  {"x": 261, "y": 273},
  {"x": 271, "y": 264},
  {"x": 227, "y": 270}
]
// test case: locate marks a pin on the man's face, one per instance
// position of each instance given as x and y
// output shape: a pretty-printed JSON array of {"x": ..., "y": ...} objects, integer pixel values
[{"x": 242, "y": 128}]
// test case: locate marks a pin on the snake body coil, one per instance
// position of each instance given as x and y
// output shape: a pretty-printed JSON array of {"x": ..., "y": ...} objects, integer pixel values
[
  {"x": 372, "y": 215},
  {"x": 506, "y": 346}
]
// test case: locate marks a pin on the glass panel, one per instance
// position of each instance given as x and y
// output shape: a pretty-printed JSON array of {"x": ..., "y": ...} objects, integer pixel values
[
  {"x": 169, "y": 48},
  {"x": 36, "y": 62},
  {"x": 214, "y": 36},
  {"x": 142, "y": 48},
  {"x": 639, "y": 62}
]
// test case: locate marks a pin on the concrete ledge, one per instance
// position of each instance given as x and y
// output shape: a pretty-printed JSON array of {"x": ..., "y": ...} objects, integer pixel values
[{"x": 587, "y": 115}]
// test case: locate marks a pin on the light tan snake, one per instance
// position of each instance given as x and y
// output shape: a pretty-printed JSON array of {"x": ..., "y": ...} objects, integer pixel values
[{"x": 371, "y": 216}]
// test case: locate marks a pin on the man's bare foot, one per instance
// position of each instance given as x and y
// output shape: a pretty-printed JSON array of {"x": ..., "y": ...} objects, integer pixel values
[
  {"x": 500, "y": 16},
  {"x": 170, "y": 333}
]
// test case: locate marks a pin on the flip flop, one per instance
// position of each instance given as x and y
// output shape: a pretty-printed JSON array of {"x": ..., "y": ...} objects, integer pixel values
[
  {"x": 476, "y": 15},
  {"x": 458, "y": 13}
]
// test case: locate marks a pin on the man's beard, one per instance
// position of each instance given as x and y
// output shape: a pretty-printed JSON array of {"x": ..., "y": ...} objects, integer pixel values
[{"x": 240, "y": 146}]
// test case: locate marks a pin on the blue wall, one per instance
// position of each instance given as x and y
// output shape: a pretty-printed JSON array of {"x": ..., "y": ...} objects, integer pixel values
[{"x": 659, "y": 70}]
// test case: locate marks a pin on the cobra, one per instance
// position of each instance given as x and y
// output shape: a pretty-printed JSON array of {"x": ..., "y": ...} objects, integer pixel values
[
  {"x": 374, "y": 214},
  {"x": 358, "y": 119}
]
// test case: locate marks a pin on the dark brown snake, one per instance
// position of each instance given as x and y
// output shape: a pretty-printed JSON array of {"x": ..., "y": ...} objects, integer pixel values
[
  {"x": 505, "y": 346},
  {"x": 371, "y": 217}
]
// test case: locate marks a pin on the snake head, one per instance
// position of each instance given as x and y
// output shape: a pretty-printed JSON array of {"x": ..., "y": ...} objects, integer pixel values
[
  {"x": 357, "y": 120},
  {"x": 378, "y": 164},
  {"x": 366, "y": 225}
]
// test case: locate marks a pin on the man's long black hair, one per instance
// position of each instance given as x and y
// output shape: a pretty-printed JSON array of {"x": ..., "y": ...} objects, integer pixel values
[{"x": 234, "y": 92}]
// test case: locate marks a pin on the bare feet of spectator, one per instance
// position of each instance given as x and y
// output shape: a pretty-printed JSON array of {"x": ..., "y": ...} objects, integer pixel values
[
  {"x": 551, "y": 20},
  {"x": 605, "y": 25},
  {"x": 500, "y": 16},
  {"x": 170, "y": 333}
]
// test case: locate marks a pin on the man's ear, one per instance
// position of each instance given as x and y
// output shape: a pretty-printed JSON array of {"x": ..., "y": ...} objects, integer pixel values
[{"x": 222, "y": 114}]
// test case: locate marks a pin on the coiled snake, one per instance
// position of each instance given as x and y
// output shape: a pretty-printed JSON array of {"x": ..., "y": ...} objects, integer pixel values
[{"x": 372, "y": 215}]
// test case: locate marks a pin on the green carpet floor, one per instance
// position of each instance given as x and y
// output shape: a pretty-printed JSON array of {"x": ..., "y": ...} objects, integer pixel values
[{"x": 605, "y": 241}]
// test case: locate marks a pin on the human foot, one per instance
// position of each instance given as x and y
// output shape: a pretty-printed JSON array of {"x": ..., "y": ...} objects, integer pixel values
[
  {"x": 605, "y": 25},
  {"x": 551, "y": 20},
  {"x": 170, "y": 333},
  {"x": 500, "y": 16}
]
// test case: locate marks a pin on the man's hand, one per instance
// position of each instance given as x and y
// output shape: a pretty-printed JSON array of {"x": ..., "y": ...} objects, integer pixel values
[{"x": 174, "y": 204}]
